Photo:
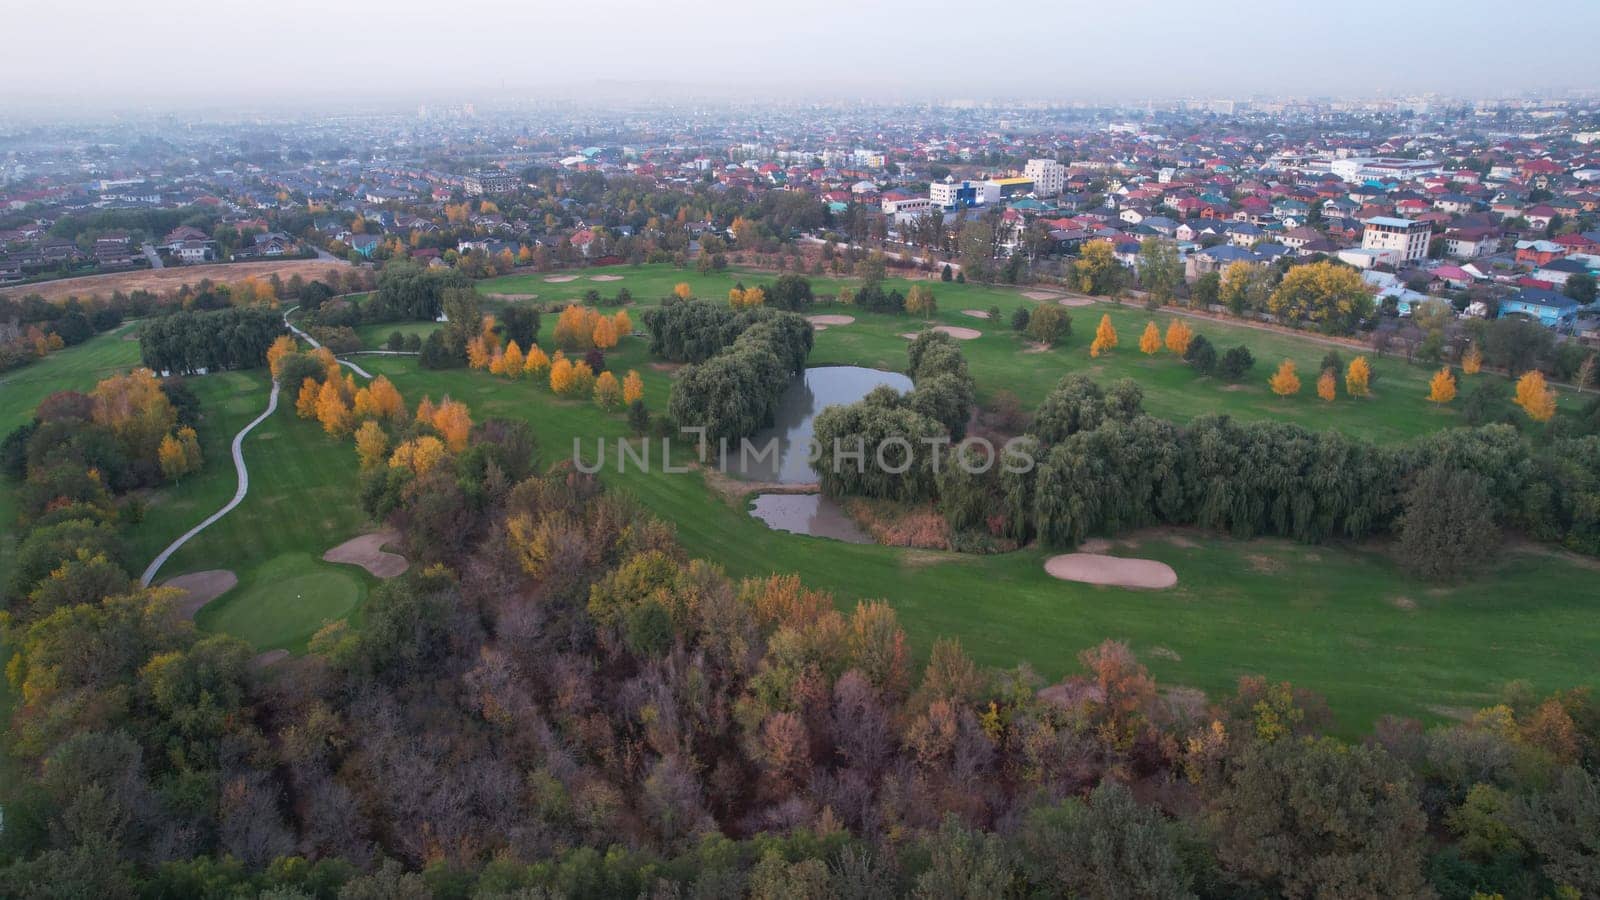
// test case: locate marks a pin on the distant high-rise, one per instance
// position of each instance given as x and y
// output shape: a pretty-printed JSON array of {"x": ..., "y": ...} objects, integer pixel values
[{"x": 1049, "y": 176}]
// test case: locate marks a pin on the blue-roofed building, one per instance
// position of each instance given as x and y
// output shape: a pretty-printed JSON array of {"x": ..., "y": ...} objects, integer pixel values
[{"x": 1549, "y": 308}]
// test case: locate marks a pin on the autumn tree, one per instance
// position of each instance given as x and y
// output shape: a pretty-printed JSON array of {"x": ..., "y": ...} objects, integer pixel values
[
  {"x": 1097, "y": 270},
  {"x": 1178, "y": 337},
  {"x": 1535, "y": 396},
  {"x": 1327, "y": 385},
  {"x": 920, "y": 302},
  {"x": 305, "y": 405},
  {"x": 1442, "y": 388},
  {"x": 420, "y": 454},
  {"x": 372, "y": 444},
  {"x": 682, "y": 291},
  {"x": 332, "y": 410},
  {"x": 582, "y": 379},
  {"x": 136, "y": 411},
  {"x": 1358, "y": 377},
  {"x": 453, "y": 422},
  {"x": 607, "y": 392},
  {"x": 535, "y": 362},
  {"x": 561, "y": 376},
  {"x": 282, "y": 346},
  {"x": 1048, "y": 325},
  {"x": 1327, "y": 294},
  {"x": 1150, "y": 340},
  {"x": 604, "y": 335},
  {"x": 1245, "y": 287},
  {"x": 632, "y": 387},
  {"x": 173, "y": 463},
  {"x": 1472, "y": 360},
  {"x": 1105, "y": 337},
  {"x": 1284, "y": 382}
]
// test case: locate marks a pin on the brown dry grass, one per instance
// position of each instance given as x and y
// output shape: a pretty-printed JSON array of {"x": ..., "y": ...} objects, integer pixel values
[
  {"x": 897, "y": 525},
  {"x": 164, "y": 281}
]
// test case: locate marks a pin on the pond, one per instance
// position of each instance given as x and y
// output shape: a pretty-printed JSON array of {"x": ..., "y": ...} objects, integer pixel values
[
  {"x": 821, "y": 387},
  {"x": 811, "y": 514}
]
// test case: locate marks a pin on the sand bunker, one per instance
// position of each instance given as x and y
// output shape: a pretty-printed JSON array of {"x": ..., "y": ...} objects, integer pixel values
[
  {"x": 512, "y": 297},
  {"x": 200, "y": 588},
  {"x": 819, "y": 328},
  {"x": 367, "y": 552},
  {"x": 559, "y": 279},
  {"x": 1094, "y": 568},
  {"x": 605, "y": 277},
  {"x": 262, "y": 660},
  {"x": 1075, "y": 301},
  {"x": 959, "y": 333},
  {"x": 1040, "y": 295},
  {"x": 976, "y": 313},
  {"x": 830, "y": 320}
]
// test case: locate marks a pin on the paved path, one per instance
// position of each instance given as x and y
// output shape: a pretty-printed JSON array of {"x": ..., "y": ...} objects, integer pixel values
[
  {"x": 238, "y": 462},
  {"x": 315, "y": 345},
  {"x": 238, "y": 493},
  {"x": 154, "y": 257}
]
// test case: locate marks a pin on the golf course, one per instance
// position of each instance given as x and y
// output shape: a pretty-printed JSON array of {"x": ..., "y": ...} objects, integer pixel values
[{"x": 1342, "y": 620}]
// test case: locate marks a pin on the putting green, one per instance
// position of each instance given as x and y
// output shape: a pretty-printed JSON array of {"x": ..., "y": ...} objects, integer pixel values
[{"x": 284, "y": 601}]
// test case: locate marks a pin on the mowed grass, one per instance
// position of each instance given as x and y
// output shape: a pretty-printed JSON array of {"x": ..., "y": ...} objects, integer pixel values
[
  {"x": 1344, "y": 621},
  {"x": 285, "y": 601},
  {"x": 1000, "y": 359}
]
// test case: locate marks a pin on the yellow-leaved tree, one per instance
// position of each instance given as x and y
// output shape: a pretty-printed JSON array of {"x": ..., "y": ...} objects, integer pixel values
[
  {"x": 332, "y": 411},
  {"x": 682, "y": 290},
  {"x": 173, "y": 464},
  {"x": 419, "y": 454},
  {"x": 371, "y": 444},
  {"x": 607, "y": 392},
  {"x": 1442, "y": 388},
  {"x": 623, "y": 323},
  {"x": 1150, "y": 340},
  {"x": 1358, "y": 377},
  {"x": 1472, "y": 361},
  {"x": 535, "y": 363},
  {"x": 632, "y": 387},
  {"x": 305, "y": 406},
  {"x": 453, "y": 422},
  {"x": 561, "y": 375},
  {"x": 1326, "y": 387},
  {"x": 1535, "y": 397},
  {"x": 1284, "y": 382},
  {"x": 604, "y": 335},
  {"x": 582, "y": 379},
  {"x": 512, "y": 362},
  {"x": 1105, "y": 337},
  {"x": 282, "y": 346},
  {"x": 920, "y": 302},
  {"x": 1179, "y": 336}
]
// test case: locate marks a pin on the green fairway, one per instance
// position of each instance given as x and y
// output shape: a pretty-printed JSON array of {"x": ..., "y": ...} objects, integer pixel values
[
  {"x": 1000, "y": 359},
  {"x": 1342, "y": 621},
  {"x": 285, "y": 600},
  {"x": 375, "y": 337}
]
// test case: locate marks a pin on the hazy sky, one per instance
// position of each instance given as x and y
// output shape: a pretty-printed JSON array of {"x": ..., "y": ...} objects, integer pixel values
[{"x": 322, "y": 51}]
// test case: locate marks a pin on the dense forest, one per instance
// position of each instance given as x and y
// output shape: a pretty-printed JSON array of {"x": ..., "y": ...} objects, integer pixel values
[{"x": 555, "y": 701}]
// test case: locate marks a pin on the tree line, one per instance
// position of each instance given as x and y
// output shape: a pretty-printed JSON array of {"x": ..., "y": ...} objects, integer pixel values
[{"x": 187, "y": 342}]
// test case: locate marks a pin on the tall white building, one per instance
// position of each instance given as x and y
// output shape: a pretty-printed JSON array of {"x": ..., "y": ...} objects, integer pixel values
[
  {"x": 1402, "y": 239},
  {"x": 1049, "y": 176}
]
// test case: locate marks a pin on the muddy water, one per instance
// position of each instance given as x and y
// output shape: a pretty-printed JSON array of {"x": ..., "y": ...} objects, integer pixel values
[
  {"x": 811, "y": 514},
  {"x": 790, "y": 433}
]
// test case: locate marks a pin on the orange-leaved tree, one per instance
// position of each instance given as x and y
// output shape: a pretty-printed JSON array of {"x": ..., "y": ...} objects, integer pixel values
[
  {"x": 1442, "y": 388},
  {"x": 1105, "y": 337},
  {"x": 1472, "y": 360},
  {"x": 1285, "y": 382},
  {"x": 1179, "y": 336},
  {"x": 632, "y": 387},
  {"x": 1326, "y": 388},
  {"x": 371, "y": 444},
  {"x": 1535, "y": 397},
  {"x": 1150, "y": 340}
]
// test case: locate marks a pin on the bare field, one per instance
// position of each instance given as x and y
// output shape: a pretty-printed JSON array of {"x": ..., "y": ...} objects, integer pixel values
[{"x": 163, "y": 281}]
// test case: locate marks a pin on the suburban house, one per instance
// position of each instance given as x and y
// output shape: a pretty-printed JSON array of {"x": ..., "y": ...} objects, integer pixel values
[
  {"x": 1471, "y": 243},
  {"x": 1548, "y": 308}
]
